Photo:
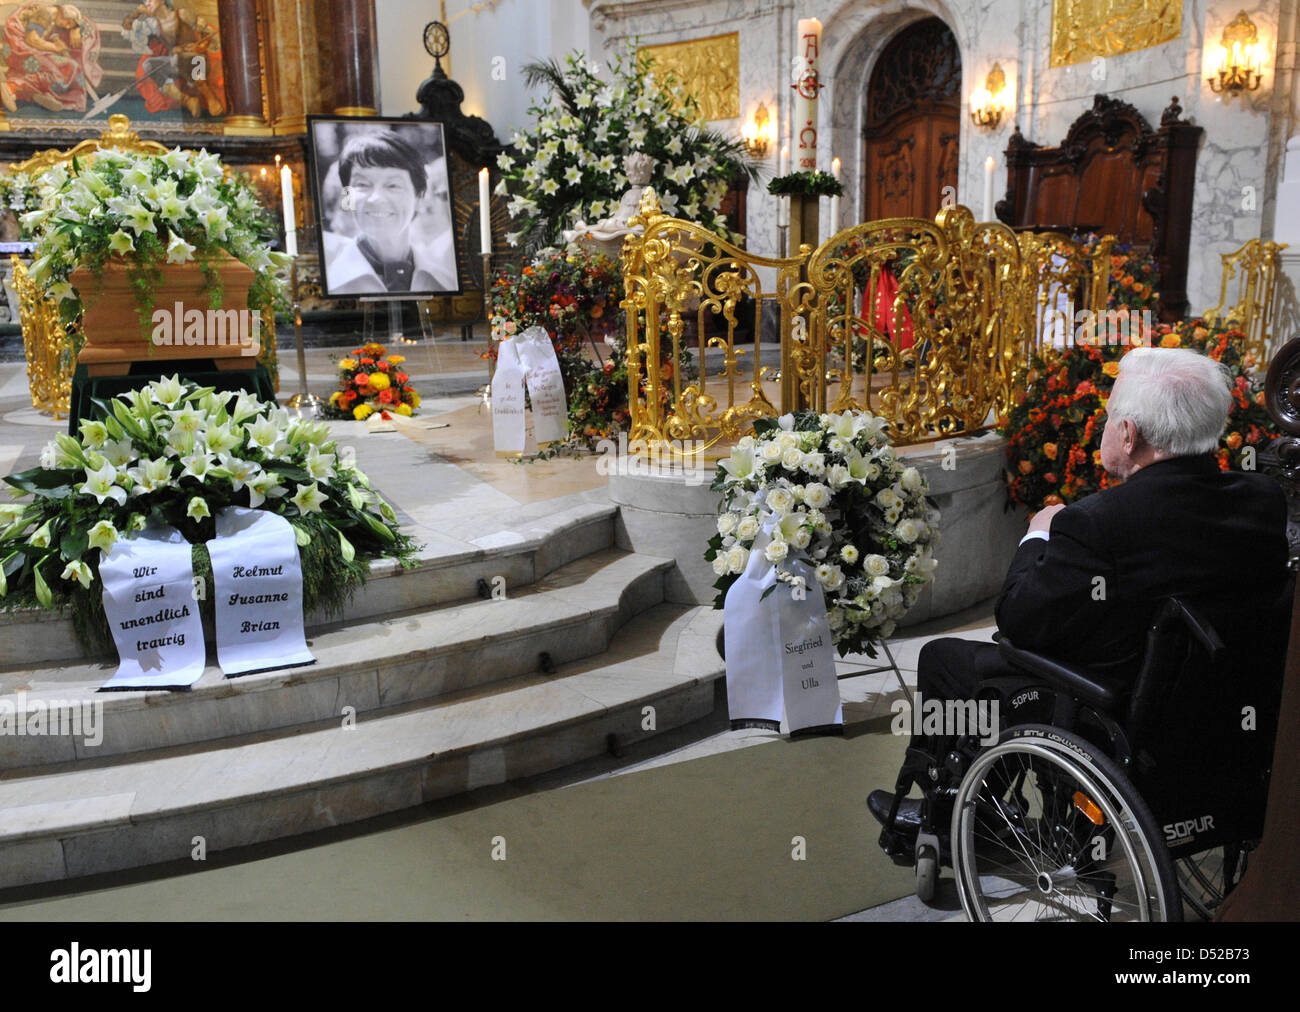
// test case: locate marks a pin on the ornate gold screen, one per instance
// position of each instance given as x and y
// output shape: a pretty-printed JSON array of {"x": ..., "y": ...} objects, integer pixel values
[{"x": 927, "y": 324}]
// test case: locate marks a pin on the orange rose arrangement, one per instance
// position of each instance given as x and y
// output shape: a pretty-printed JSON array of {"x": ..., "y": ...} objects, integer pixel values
[
  {"x": 1054, "y": 431},
  {"x": 371, "y": 380}
]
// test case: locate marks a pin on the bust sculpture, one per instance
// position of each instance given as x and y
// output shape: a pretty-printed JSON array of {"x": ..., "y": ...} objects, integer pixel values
[{"x": 606, "y": 236}]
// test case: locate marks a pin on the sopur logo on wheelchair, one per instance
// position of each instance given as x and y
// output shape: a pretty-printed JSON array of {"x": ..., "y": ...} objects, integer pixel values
[{"x": 1104, "y": 800}]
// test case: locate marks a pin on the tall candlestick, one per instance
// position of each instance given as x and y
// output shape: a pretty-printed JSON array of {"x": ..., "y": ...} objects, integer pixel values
[
  {"x": 835, "y": 201},
  {"x": 484, "y": 213},
  {"x": 988, "y": 188},
  {"x": 807, "y": 86},
  {"x": 290, "y": 221}
]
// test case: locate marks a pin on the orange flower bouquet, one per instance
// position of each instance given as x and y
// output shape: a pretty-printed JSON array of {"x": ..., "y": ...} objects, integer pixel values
[{"x": 371, "y": 380}]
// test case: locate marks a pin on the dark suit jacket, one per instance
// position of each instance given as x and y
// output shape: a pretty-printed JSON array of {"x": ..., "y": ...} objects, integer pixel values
[{"x": 1176, "y": 527}]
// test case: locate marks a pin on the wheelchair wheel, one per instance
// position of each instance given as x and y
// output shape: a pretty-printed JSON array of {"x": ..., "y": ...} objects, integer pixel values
[
  {"x": 1206, "y": 878},
  {"x": 1047, "y": 828}
]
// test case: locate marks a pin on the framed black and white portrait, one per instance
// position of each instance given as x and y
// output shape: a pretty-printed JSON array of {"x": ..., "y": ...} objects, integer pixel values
[{"x": 384, "y": 207}]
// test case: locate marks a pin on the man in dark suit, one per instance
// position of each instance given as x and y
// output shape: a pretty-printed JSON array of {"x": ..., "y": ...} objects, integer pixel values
[{"x": 1087, "y": 578}]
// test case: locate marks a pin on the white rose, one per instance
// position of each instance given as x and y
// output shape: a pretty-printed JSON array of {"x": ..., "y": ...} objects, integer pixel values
[
  {"x": 791, "y": 459},
  {"x": 800, "y": 539},
  {"x": 876, "y": 565},
  {"x": 727, "y": 523},
  {"x": 748, "y": 528},
  {"x": 817, "y": 495},
  {"x": 912, "y": 480},
  {"x": 776, "y": 551},
  {"x": 836, "y": 580},
  {"x": 738, "y": 559},
  {"x": 909, "y": 530},
  {"x": 720, "y": 565},
  {"x": 849, "y": 554},
  {"x": 886, "y": 498},
  {"x": 771, "y": 452},
  {"x": 881, "y": 584},
  {"x": 780, "y": 501}
]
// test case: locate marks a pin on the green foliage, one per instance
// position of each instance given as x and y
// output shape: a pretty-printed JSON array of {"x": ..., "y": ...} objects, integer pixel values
[{"x": 806, "y": 184}]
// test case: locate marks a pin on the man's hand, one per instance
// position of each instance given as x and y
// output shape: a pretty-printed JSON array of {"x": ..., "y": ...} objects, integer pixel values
[{"x": 1043, "y": 518}]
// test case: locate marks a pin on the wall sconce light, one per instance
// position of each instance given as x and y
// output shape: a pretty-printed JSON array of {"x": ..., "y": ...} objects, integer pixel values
[
  {"x": 1240, "y": 58},
  {"x": 758, "y": 133},
  {"x": 986, "y": 103}
]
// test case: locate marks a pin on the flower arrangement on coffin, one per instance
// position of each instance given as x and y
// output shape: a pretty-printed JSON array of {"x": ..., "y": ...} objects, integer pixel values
[
  {"x": 839, "y": 494},
  {"x": 806, "y": 184},
  {"x": 19, "y": 195},
  {"x": 139, "y": 213},
  {"x": 174, "y": 453},
  {"x": 371, "y": 380},
  {"x": 568, "y": 167},
  {"x": 1054, "y": 431}
]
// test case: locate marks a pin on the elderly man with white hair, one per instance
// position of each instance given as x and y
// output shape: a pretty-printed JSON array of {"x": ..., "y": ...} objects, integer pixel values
[{"x": 1087, "y": 577}]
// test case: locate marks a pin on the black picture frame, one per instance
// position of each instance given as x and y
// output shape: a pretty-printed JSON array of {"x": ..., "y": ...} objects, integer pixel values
[{"x": 359, "y": 250}]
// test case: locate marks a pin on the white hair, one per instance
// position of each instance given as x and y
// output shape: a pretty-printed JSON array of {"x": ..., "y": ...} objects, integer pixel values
[{"x": 1178, "y": 399}]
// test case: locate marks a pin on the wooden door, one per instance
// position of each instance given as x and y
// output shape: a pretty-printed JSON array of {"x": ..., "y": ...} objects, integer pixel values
[{"x": 913, "y": 124}]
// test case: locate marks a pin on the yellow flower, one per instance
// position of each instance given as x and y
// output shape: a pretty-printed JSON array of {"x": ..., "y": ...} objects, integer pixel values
[
  {"x": 415, "y": 400},
  {"x": 396, "y": 359},
  {"x": 404, "y": 409},
  {"x": 1111, "y": 369},
  {"x": 1171, "y": 341},
  {"x": 348, "y": 363},
  {"x": 378, "y": 381},
  {"x": 362, "y": 411},
  {"x": 334, "y": 398}
]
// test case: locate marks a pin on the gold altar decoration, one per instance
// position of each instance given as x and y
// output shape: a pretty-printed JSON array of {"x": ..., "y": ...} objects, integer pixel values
[
  {"x": 1083, "y": 30},
  {"x": 44, "y": 339},
  {"x": 1251, "y": 273},
  {"x": 969, "y": 295},
  {"x": 50, "y": 361},
  {"x": 708, "y": 68}
]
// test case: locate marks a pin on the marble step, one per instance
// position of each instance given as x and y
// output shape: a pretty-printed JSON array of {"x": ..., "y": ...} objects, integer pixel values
[
  {"x": 446, "y": 572},
  {"x": 361, "y": 666},
  {"x": 146, "y": 809}
]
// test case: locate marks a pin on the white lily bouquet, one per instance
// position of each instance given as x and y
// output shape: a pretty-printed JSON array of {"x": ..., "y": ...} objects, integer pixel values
[
  {"x": 831, "y": 490},
  {"x": 148, "y": 210},
  {"x": 175, "y": 454}
]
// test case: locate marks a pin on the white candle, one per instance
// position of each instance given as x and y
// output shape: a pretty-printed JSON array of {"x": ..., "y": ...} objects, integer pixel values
[
  {"x": 807, "y": 87},
  {"x": 988, "y": 188},
  {"x": 484, "y": 213},
  {"x": 782, "y": 201},
  {"x": 290, "y": 221},
  {"x": 835, "y": 201}
]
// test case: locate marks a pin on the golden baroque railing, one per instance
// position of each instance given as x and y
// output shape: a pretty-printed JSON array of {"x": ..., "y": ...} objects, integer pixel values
[
  {"x": 51, "y": 359},
  {"x": 1254, "y": 269},
  {"x": 928, "y": 324}
]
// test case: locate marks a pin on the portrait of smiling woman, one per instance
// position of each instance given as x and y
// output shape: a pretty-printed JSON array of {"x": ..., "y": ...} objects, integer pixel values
[{"x": 384, "y": 207}]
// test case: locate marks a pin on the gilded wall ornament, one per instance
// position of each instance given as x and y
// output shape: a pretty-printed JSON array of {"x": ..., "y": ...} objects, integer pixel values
[
  {"x": 708, "y": 68},
  {"x": 1083, "y": 30}
]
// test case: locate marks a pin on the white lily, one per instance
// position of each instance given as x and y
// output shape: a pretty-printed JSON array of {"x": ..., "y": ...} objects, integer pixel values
[
  {"x": 309, "y": 498},
  {"x": 101, "y": 484},
  {"x": 178, "y": 250},
  {"x": 103, "y": 535}
]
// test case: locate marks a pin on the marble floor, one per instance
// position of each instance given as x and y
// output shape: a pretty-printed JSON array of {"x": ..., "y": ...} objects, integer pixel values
[{"x": 439, "y": 472}]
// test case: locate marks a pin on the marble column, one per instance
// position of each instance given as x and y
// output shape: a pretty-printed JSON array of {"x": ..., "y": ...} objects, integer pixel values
[
  {"x": 353, "y": 26},
  {"x": 243, "y": 67}
]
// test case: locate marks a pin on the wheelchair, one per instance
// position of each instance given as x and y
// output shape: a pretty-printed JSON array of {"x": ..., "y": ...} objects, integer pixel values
[{"x": 1104, "y": 801}]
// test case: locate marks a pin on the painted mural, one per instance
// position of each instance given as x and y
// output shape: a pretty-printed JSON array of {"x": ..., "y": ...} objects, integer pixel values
[{"x": 154, "y": 60}]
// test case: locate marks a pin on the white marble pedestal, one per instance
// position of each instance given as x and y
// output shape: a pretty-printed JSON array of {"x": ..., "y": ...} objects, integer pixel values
[{"x": 672, "y": 514}]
